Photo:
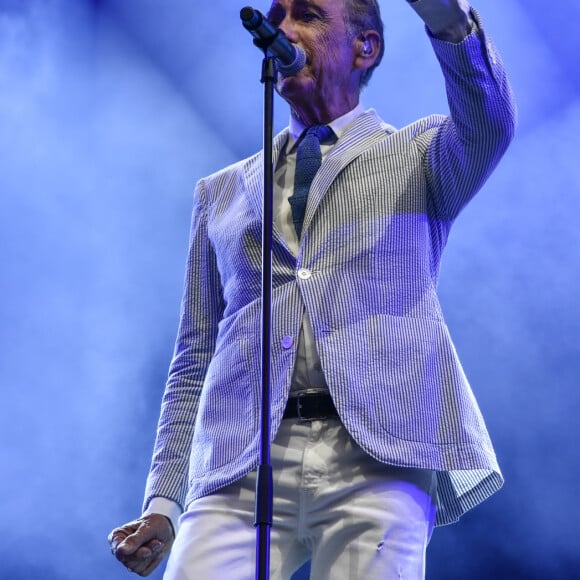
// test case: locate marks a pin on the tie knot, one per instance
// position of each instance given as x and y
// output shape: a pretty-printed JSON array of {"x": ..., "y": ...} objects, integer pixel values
[{"x": 321, "y": 132}]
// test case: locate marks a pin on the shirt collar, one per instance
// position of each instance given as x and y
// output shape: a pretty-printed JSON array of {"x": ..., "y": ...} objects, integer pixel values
[{"x": 339, "y": 126}]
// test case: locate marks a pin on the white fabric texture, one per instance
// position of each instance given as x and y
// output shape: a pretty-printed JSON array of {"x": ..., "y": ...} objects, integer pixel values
[{"x": 355, "y": 516}]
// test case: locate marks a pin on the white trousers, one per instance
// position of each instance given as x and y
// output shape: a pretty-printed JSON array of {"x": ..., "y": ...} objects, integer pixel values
[{"x": 354, "y": 517}]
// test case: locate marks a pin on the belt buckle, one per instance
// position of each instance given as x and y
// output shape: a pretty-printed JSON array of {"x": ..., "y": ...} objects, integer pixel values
[
  {"x": 299, "y": 406},
  {"x": 299, "y": 409}
]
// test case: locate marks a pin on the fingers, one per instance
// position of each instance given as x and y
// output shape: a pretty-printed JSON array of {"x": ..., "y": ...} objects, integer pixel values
[
  {"x": 154, "y": 563},
  {"x": 150, "y": 549},
  {"x": 119, "y": 535},
  {"x": 134, "y": 536},
  {"x": 147, "y": 558},
  {"x": 142, "y": 544}
]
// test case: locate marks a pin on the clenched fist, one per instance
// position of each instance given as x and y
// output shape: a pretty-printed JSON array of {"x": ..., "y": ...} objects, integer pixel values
[{"x": 143, "y": 543}]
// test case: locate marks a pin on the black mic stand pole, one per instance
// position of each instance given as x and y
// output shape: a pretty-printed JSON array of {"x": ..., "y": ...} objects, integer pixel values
[
  {"x": 264, "y": 483},
  {"x": 274, "y": 44}
]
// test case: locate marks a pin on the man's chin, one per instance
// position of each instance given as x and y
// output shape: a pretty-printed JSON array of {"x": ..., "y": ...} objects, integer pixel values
[{"x": 291, "y": 88}]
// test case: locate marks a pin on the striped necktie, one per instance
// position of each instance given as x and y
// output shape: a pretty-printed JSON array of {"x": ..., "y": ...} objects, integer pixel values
[{"x": 308, "y": 160}]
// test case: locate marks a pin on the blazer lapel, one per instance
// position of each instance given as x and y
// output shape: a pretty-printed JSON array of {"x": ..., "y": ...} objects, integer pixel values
[
  {"x": 366, "y": 131},
  {"x": 254, "y": 173}
]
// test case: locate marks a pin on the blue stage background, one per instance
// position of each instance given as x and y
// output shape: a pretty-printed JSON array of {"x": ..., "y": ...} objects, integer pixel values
[{"x": 110, "y": 111}]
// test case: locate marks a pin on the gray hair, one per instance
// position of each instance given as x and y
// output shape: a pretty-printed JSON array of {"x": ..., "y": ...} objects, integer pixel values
[{"x": 361, "y": 15}]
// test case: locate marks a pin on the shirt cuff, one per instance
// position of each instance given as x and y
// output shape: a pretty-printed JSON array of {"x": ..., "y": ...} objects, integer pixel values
[{"x": 165, "y": 507}]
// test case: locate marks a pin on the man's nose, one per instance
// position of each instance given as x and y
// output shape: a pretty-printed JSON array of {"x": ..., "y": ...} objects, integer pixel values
[{"x": 288, "y": 28}]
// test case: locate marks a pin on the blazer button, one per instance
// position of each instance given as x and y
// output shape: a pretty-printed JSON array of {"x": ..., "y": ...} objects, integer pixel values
[
  {"x": 287, "y": 342},
  {"x": 304, "y": 274}
]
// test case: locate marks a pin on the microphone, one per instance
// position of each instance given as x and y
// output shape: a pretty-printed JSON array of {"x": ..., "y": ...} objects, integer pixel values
[{"x": 289, "y": 57}]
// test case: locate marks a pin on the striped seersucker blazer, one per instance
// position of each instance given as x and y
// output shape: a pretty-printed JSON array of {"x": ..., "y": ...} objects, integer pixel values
[{"x": 377, "y": 220}]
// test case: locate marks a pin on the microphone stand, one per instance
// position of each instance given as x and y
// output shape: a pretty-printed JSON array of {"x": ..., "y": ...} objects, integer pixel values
[
  {"x": 264, "y": 482},
  {"x": 274, "y": 44}
]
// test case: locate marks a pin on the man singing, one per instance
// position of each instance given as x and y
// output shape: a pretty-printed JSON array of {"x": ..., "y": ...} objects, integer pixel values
[{"x": 377, "y": 436}]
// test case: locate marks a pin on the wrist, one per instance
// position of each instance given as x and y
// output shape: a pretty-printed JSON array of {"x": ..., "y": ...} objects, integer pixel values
[
  {"x": 446, "y": 21},
  {"x": 165, "y": 507},
  {"x": 454, "y": 33},
  {"x": 170, "y": 523}
]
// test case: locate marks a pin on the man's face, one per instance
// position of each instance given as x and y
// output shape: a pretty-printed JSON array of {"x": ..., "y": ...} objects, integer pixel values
[{"x": 318, "y": 26}]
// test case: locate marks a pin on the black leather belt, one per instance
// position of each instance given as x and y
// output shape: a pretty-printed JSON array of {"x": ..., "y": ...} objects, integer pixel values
[{"x": 310, "y": 406}]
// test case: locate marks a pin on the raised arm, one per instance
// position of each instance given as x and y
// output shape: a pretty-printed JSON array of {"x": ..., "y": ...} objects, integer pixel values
[{"x": 462, "y": 150}]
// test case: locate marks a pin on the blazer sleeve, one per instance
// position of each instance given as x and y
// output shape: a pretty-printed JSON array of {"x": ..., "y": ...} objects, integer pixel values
[
  {"x": 463, "y": 150},
  {"x": 201, "y": 310}
]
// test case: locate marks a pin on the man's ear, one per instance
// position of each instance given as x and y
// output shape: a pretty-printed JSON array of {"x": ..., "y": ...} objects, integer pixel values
[{"x": 367, "y": 48}]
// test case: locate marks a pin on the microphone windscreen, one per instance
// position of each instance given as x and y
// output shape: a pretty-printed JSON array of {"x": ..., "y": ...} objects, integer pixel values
[{"x": 294, "y": 67}]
